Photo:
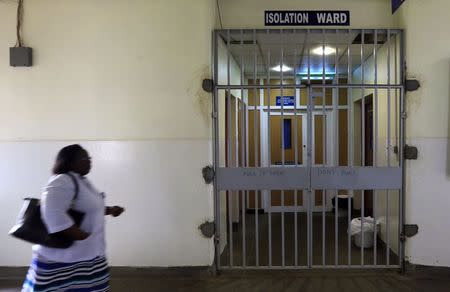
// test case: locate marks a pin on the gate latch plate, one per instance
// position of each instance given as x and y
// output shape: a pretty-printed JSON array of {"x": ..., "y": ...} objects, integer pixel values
[
  {"x": 208, "y": 229},
  {"x": 208, "y": 174},
  {"x": 410, "y": 229},
  {"x": 411, "y": 152},
  {"x": 412, "y": 85},
  {"x": 208, "y": 85}
]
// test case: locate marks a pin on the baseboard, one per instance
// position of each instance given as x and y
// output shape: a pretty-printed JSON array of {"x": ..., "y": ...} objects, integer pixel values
[
  {"x": 13, "y": 272},
  {"x": 188, "y": 271},
  {"x": 127, "y": 272}
]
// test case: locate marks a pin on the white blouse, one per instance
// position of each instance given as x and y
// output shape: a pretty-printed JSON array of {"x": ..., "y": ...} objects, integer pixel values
[{"x": 56, "y": 199}]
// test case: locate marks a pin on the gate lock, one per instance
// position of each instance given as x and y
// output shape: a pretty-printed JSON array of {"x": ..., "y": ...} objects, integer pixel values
[{"x": 208, "y": 174}]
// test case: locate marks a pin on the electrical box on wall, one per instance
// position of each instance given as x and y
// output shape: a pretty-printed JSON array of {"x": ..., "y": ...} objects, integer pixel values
[{"x": 21, "y": 57}]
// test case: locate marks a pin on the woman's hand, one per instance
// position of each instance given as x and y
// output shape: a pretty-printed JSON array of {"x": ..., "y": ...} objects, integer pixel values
[{"x": 114, "y": 211}]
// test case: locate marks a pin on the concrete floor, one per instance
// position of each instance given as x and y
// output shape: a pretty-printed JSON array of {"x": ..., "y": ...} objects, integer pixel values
[
  {"x": 309, "y": 281},
  {"x": 332, "y": 251}
]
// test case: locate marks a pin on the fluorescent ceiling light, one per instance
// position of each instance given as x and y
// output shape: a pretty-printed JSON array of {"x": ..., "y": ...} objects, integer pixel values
[
  {"x": 321, "y": 51},
  {"x": 316, "y": 78},
  {"x": 284, "y": 68}
]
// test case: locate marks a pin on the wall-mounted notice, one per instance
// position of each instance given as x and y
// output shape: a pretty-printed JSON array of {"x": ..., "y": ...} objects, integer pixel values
[{"x": 307, "y": 17}]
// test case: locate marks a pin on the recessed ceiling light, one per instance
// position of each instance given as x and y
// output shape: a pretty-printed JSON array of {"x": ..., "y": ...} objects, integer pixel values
[
  {"x": 284, "y": 68},
  {"x": 321, "y": 51}
]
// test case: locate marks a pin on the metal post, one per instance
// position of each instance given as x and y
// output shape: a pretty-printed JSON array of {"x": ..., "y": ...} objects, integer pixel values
[
  {"x": 244, "y": 246},
  {"x": 216, "y": 159},
  {"x": 336, "y": 147},
  {"x": 401, "y": 147},
  {"x": 269, "y": 152},
  {"x": 363, "y": 144},
  {"x": 229, "y": 140},
  {"x": 375, "y": 141},
  {"x": 256, "y": 148},
  {"x": 282, "y": 152},
  {"x": 350, "y": 141},
  {"x": 324, "y": 144},
  {"x": 388, "y": 146},
  {"x": 309, "y": 157},
  {"x": 295, "y": 160}
]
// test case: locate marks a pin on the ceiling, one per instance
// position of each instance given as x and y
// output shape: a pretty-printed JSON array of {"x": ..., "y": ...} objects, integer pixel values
[{"x": 290, "y": 48}]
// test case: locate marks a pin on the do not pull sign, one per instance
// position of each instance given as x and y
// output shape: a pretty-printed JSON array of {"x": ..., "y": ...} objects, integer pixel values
[{"x": 307, "y": 18}]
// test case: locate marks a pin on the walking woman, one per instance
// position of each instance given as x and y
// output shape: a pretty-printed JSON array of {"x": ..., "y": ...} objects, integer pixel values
[{"x": 83, "y": 265}]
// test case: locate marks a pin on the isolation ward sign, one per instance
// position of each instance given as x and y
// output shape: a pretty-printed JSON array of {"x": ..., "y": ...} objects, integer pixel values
[{"x": 305, "y": 18}]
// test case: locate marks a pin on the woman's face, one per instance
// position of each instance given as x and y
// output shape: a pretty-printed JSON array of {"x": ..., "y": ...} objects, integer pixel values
[{"x": 82, "y": 163}]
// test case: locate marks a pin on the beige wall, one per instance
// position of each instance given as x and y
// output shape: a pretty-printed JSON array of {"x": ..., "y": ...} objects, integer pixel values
[
  {"x": 107, "y": 70},
  {"x": 428, "y": 127},
  {"x": 128, "y": 72}
]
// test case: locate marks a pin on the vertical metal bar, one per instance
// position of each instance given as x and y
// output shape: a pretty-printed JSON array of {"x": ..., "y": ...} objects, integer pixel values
[
  {"x": 401, "y": 147},
  {"x": 282, "y": 151},
  {"x": 244, "y": 246},
  {"x": 402, "y": 191},
  {"x": 255, "y": 147},
  {"x": 396, "y": 93},
  {"x": 295, "y": 157},
  {"x": 309, "y": 157},
  {"x": 216, "y": 161},
  {"x": 336, "y": 141},
  {"x": 324, "y": 144},
  {"x": 375, "y": 141},
  {"x": 229, "y": 140},
  {"x": 350, "y": 141},
  {"x": 363, "y": 140},
  {"x": 388, "y": 147},
  {"x": 269, "y": 151}
]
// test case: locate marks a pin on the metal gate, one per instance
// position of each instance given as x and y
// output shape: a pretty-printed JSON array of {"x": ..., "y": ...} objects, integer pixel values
[{"x": 308, "y": 137}]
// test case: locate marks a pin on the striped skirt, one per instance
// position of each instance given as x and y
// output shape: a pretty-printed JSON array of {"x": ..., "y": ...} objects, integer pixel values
[{"x": 91, "y": 275}]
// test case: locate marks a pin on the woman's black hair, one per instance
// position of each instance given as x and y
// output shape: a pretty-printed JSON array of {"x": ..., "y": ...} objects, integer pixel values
[{"x": 66, "y": 157}]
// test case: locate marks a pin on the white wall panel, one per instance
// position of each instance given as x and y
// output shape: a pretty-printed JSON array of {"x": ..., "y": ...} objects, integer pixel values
[{"x": 158, "y": 182}]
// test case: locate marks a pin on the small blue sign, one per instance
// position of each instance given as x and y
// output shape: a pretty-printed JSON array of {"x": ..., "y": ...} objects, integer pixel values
[
  {"x": 288, "y": 100},
  {"x": 396, "y": 4}
]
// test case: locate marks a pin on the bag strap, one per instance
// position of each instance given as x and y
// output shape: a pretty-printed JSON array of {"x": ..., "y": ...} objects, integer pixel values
[{"x": 75, "y": 182}]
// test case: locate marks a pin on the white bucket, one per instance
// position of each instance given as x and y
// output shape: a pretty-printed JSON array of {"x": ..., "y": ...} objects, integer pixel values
[
  {"x": 368, "y": 239},
  {"x": 368, "y": 228}
]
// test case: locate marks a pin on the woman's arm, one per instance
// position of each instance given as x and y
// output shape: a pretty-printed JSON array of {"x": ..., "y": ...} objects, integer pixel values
[
  {"x": 75, "y": 233},
  {"x": 56, "y": 201}
]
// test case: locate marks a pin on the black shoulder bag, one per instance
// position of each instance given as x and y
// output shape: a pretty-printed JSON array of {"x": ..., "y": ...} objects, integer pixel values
[{"x": 31, "y": 228}]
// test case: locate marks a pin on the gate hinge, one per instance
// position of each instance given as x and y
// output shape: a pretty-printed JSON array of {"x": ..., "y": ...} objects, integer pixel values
[
  {"x": 410, "y": 152},
  {"x": 214, "y": 115},
  {"x": 404, "y": 115},
  {"x": 208, "y": 85},
  {"x": 208, "y": 229},
  {"x": 208, "y": 174},
  {"x": 412, "y": 85},
  {"x": 409, "y": 230}
]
